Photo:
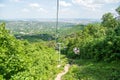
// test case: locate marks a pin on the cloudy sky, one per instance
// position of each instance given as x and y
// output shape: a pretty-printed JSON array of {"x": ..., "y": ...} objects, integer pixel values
[{"x": 12, "y": 9}]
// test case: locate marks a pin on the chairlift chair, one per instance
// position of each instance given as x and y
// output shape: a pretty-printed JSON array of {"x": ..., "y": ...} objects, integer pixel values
[{"x": 76, "y": 50}]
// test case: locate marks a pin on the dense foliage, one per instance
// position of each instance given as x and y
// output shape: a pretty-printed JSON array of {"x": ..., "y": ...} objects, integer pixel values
[
  {"x": 97, "y": 41},
  {"x": 99, "y": 55},
  {"x": 20, "y": 60}
]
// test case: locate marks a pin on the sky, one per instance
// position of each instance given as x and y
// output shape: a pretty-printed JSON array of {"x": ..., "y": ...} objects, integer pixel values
[{"x": 23, "y": 9}]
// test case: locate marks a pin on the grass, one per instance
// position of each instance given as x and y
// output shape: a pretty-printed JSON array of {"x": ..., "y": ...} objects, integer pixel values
[{"x": 90, "y": 70}]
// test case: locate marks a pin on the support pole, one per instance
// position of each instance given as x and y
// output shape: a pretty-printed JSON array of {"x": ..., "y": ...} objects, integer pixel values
[
  {"x": 57, "y": 15},
  {"x": 57, "y": 35},
  {"x": 59, "y": 51}
]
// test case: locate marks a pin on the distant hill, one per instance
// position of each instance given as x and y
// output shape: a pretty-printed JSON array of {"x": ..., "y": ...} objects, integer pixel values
[
  {"x": 68, "y": 20},
  {"x": 34, "y": 27}
]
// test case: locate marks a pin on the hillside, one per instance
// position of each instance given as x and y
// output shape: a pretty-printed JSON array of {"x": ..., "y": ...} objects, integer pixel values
[
  {"x": 28, "y": 50},
  {"x": 21, "y": 61}
]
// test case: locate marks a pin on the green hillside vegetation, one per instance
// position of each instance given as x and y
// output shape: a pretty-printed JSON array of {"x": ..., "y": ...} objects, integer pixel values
[
  {"x": 99, "y": 46},
  {"x": 68, "y": 31},
  {"x": 35, "y": 27},
  {"x": 83, "y": 69},
  {"x": 30, "y": 53},
  {"x": 36, "y": 37},
  {"x": 20, "y": 60},
  {"x": 36, "y": 31}
]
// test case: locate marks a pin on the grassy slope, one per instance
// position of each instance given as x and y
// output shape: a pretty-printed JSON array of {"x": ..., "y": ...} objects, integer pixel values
[
  {"x": 71, "y": 30},
  {"x": 89, "y": 70}
]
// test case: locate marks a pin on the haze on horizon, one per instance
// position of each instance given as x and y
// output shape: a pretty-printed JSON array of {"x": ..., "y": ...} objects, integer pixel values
[{"x": 92, "y": 9}]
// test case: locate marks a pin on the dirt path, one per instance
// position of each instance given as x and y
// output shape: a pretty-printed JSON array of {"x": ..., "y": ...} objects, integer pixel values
[{"x": 66, "y": 68}]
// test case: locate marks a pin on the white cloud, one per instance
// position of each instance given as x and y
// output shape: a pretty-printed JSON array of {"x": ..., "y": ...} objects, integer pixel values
[
  {"x": 16, "y": 0},
  {"x": 25, "y": 10},
  {"x": 111, "y": 1},
  {"x": 65, "y": 4},
  {"x": 34, "y": 5},
  {"x": 2, "y": 5},
  {"x": 42, "y": 10},
  {"x": 94, "y": 4},
  {"x": 90, "y": 4},
  {"x": 37, "y": 7},
  {"x": 64, "y": 10}
]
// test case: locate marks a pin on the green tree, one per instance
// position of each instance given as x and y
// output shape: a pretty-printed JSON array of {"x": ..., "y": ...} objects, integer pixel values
[
  {"x": 117, "y": 30},
  {"x": 109, "y": 21},
  {"x": 20, "y": 61},
  {"x": 118, "y": 10},
  {"x": 13, "y": 57}
]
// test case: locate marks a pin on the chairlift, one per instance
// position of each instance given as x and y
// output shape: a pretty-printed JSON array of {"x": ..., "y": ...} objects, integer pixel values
[
  {"x": 76, "y": 50},
  {"x": 58, "y": 45}
]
